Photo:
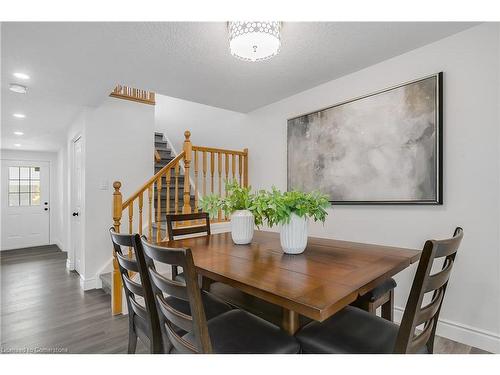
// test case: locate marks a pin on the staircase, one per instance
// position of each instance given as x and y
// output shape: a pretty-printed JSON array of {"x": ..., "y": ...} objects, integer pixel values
[
  {"x": 206, "y": 170},
  {"x": 166, "y": 156}
]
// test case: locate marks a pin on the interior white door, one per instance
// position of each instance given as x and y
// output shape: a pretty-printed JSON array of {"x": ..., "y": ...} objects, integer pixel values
[
  {"x": 76, "y": 204},
  {"x": 25, "y": 204}
]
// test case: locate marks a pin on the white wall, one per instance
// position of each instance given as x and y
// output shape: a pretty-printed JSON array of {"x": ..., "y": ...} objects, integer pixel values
[
  {"x": 117, "y": 145},
  {"x": 55, "y": 235},
  {"x": 470, "y": 62},
  {"x": 209, "y": 126}
]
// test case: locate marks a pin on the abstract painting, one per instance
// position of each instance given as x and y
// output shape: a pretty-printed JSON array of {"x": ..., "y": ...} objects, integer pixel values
[{"x": 382, "y": 148}]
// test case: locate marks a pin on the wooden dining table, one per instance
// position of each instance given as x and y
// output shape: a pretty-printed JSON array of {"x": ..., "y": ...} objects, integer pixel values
[{"x": 329, "y": 275}]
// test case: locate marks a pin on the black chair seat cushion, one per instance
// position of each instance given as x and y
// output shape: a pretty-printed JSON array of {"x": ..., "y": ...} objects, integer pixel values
[
  {"x": 379, "y": 290},
  {"x": 351, "y": 330},
  {"x": 239, "y": 332},
  {"x": 263, "y": 309}
]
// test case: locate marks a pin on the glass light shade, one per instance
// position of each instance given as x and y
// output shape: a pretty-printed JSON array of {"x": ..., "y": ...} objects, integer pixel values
[{"x": 254, "y": 40}]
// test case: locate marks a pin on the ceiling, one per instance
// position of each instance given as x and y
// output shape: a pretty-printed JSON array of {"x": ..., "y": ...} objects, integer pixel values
[{"x": 77, "y": 64}]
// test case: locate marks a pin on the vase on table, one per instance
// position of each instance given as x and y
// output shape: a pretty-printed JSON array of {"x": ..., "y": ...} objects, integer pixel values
[
  {"x": 293, "y": 235},
  {"x": 242, "y": 227}
]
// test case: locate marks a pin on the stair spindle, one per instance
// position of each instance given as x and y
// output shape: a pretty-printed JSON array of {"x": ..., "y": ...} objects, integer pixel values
[
  {"x": 130, "y": 224},
  {"x": 245, "y": 168},
  {"x": 233, "y": 166},
  {"x": 150, "y": 216},
  {"x": 168, "y": 180},
  {"x": 140, "y": 212},
  {"x": 212, "y": 171},
  {"x": 204, "y": 173},
  {"x": 240, "y": 167},
  {"x": 158, "y": 209},
  {"x": 195, "y": 181},
  {"x": 176, "y": 197},
  {"x": 219, "y": 170}
]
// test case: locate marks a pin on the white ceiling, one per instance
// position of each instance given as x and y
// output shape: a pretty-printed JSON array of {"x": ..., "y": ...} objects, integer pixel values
[{"x": 77, "y": 64}]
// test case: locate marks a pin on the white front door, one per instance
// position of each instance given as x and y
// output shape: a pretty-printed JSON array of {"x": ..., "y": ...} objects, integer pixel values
[
  {"x": 25, "y": 204},
  {"x": 76, "y": 204}
]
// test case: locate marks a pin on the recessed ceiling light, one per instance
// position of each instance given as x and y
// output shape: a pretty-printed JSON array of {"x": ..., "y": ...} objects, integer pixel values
[
  {"x": 20, "y": 89},
  {"x": 21, "y": 75},
  {"x": 18, "y": 133},
  {"x": 17, "y": 144},
  {"x": 19, "y": 115}
]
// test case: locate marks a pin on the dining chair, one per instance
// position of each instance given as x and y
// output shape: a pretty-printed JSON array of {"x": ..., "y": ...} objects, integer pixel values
[
  {"x": 381, "y": 296},
  {"x": 234, "y": 331},
  {"x": 142, "y": 316},
  {"x": 213, "y": 306},
  {"x": 174, "y": 232},
  {"x": 235, "y": 297},
  {"x": 353, "y": 330}
]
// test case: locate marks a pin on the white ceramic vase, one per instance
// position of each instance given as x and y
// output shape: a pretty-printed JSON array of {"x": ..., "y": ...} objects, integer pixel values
[
  {"x": 293, "y": 236},
  {"x": 242, "y": 225}
]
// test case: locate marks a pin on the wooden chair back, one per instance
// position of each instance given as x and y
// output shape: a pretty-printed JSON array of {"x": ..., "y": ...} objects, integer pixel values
[
  {"x": 424, "y": 282},
  {"x": 182, "y": 231},
  {"x": 172, "y": 320},
  {"x": 129, "y": 266}
]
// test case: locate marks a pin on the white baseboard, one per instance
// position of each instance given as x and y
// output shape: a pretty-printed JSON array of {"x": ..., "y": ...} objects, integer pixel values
[
  {"x": 462, "y": 333},
  {"x": 87, "y": 284},
  {"x": 70, "y": 265}
]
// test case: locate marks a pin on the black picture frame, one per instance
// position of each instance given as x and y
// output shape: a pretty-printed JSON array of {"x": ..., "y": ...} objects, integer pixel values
[{"x": 438, "y": 145}]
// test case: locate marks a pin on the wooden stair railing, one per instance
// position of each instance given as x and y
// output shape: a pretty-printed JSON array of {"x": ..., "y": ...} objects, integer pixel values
[
  {"x": 133, "y": 94},
  {"x": 211, "y": 167}
]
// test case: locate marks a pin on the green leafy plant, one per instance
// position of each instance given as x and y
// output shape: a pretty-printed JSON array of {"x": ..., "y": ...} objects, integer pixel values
[
  {"x": 273, "y": 206},
  {"x": 277, "y": 207},
  {"x": 237, "y": 198}
]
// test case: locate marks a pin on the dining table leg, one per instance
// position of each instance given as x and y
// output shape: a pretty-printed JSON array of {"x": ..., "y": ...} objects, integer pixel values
[{"x": 290, "y": 321}]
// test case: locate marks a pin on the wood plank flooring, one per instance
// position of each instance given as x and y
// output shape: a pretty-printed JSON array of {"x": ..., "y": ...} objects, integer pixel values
[{"x": 43, "y": 309}]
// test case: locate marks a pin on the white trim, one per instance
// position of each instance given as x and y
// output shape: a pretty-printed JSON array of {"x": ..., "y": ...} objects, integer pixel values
[
  {"x": 87, "y": 284},
  {"x": 462, "y": 333},
  {"x": 70, "y": 265}
]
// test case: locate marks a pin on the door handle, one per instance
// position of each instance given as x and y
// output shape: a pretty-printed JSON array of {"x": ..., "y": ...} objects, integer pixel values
[{"x": 75, "y": 213}]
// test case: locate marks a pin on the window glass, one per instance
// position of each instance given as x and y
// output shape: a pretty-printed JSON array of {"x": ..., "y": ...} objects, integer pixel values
[
  {"x": 35, "y": 199},
  {"x": 24, "y": 186},
  {"x": 24, "y": 199},
  {"x": 35, "y": 186},
  {"x": 13, "y": 186},
  {"x": 13, "y": 200},
  {"x": 35, "y": 173},
  {"x": 13, "y": 173},
  {"x": 24, "y": 173}
]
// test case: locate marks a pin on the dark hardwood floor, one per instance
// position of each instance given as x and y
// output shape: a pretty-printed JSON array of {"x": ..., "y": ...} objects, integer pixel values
[{"x": 43, "y": 309}]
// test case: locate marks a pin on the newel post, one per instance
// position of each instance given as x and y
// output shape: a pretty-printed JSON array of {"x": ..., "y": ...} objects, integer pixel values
[
  {"x": 116, "y": 292},
  {"x": 188, "y": 150}
]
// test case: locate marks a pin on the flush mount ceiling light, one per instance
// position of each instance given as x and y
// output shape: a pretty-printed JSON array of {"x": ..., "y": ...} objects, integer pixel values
[
  {"x": 20, "y": 89},
  {"x": 18, "y": 133},
  {"x": 254, "y": 40},
  {"x": 23, "y": 76},
  {"x": 17, "y": 144},
  {"x": 19, "y": 115}
]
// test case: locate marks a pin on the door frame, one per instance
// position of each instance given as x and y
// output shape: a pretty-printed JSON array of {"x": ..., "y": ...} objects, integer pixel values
[
  {"x": 50, "y": 195},
  {"x": 70, "y": 264}
]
